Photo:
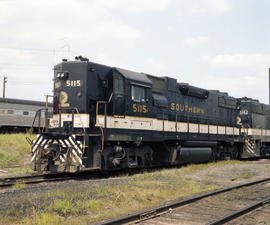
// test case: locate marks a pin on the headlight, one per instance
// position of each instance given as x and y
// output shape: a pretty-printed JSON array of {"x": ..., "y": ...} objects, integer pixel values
[{"x": 62, "y": 75}]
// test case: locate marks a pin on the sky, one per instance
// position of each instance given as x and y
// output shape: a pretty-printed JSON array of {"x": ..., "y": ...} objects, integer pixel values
[{"x": 214, "y": 44}]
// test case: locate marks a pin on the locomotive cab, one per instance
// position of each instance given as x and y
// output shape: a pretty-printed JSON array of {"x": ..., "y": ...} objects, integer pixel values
[{"x": 132, "y": 93}]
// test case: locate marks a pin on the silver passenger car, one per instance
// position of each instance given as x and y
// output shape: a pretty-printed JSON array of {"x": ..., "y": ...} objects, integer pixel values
[{"x": 18, "y": 114}]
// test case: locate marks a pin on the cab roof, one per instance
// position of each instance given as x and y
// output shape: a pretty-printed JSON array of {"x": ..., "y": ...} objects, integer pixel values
[{"x": 130, "y": 75}]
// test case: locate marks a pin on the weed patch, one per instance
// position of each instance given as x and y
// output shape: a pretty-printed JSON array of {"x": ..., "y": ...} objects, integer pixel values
[
  {"x": 19, "y": 185},
  {"x": 64, "y": 207},
  {"x": 43, "y": 219},
  {"x": 245, "y": 175},
  {"x": 197, "y": 167},
  {"x": 14, "y": 153}
]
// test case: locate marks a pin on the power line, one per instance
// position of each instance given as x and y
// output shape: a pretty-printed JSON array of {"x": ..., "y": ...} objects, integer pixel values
[
  {"x": 27, "y": 49},
  {"x": 53, "y": 50},
  {"x": 28, "y": 83},
  {"x": 21, "y": 64},
  {"x": 31, "y": 84}
]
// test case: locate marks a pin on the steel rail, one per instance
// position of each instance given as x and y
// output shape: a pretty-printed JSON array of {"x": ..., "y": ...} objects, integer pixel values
[
  {"x": 93, "y": 173},
  {"x": 140, "y": 216},
  {"x": 240, "y": 212},
  {"x": 49, "y": 177},
  {"x": 31, "y": 179}
]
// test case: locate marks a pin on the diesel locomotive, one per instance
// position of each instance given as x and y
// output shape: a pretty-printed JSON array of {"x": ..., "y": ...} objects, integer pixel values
[{"x": 110, "y": 118}]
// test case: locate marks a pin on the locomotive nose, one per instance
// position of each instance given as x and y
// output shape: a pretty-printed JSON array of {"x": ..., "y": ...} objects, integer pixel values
[
  {"x": 244, "y": 117},
  {"x": 70, "y": 96}
]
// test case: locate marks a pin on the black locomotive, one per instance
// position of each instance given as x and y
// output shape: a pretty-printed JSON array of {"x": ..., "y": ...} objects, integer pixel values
[{"x": 111, "y": 118}]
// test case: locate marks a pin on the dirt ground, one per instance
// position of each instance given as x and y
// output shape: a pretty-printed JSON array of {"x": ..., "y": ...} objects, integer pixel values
[
  {"x": 212, "y": 208},
  {"x": 230, "y": 175}
]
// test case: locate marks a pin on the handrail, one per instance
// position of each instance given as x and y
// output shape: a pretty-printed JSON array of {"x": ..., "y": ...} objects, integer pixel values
[
  {"x": 38, "y": 113},
  {"x": 105, "y": 119},
  {"x": 46, "y": 125},
  {"x": 79, "y": 117}
]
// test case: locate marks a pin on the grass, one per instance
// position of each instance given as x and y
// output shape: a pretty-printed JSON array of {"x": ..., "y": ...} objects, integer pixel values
[
  {"x": 245, "y": 175},
  {"x": 19, "y": 185},
  {"x": 267, "y": 166},
  {"x": 76, "y": 204},
  {"x": 132, "y": 194},
  {"x": 112, "y": 201},
  {"x": 197, "y": 167},
  {"x": 64, "y": 207},
  {"x": 81, "y": 205},
  {"x": 44, "y": 219},
  {"x": 237, "y": 194},
  {"x": 15, "y": 153}
]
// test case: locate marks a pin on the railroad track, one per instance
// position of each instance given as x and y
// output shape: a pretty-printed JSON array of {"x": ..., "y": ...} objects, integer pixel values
[
  {"x": 240, "y": 212},
  {"x": 87, "y": 174},
  {"x": 55, "y": 177},
  {"x": 94, "y": 173},
  {"x": 52, "y": 177},
  {"x": 153, "y": 215},
  {"x": 32, "y": 179}
]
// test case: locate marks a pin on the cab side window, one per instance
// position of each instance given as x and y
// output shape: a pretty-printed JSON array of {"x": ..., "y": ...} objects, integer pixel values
[
  {"x": 118, "y": 85},
  {"x": 25, "y": 113},
  {"x": 138, "y": 93},
  {"x": 10, "y": 111}
]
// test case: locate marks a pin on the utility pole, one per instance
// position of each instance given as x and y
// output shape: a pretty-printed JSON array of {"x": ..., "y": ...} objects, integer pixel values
[{"x": 4, "y": 86}]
